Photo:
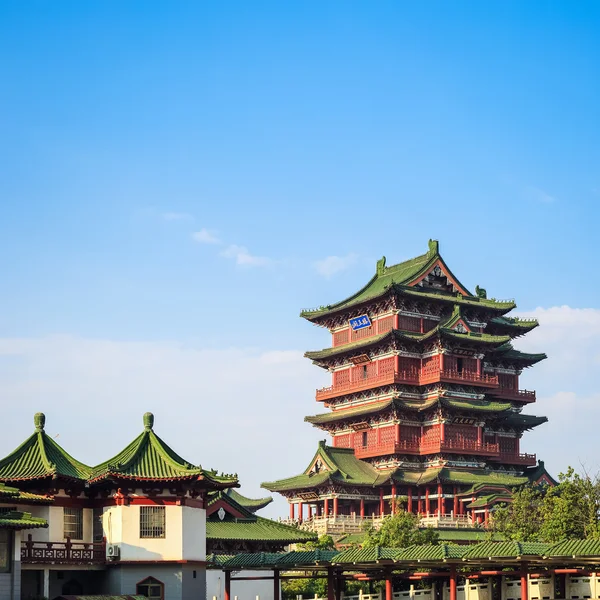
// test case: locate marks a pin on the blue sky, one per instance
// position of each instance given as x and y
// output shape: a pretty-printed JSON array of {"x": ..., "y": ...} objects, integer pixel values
[{"x": 179, "y": 179}]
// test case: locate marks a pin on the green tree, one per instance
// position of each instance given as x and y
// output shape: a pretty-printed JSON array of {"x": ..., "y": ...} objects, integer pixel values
[
  {"x": 324, "y": 542},
  {"x": 521, "y": 520},
  {"x": 399, "y": 530}
]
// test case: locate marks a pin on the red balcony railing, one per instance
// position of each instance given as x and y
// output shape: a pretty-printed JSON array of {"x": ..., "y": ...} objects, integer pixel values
[
  {"x": 428, "y": 447},
  {"x": 409, "y": 377},
  {"x": 72, "y": 553},
  {"x": 349, "y": 387}
]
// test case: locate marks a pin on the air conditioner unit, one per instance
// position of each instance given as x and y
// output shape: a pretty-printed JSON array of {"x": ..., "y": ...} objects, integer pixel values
[{"x": 113, "y": 550}]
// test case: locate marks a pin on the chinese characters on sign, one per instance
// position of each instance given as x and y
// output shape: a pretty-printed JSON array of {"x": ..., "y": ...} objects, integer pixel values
[{"x": 360, "y": 322}]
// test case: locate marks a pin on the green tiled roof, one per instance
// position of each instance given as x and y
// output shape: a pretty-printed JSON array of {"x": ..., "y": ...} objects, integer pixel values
[
  {"x": 252, "y": 504},
  {"x": 398, "y": 277},
  {"x": 533, "y": 474},
  {"x": 256, "y": 529},
  {"x": 309, "y": 557},
  {"x": 11, "y": 494},
  {"x": 20, "y": 520},
  {"x": 513, "y": 325},
  {"x": 148, "y": 458},
  {"x": 507, "y": 549},
  {"x": 439, "y": 330},
  {"x": 351, "y": 538},
  {"x": 507, "y": 352},
  {"x": 258, "y": 559},
  {"x": 489, "y": 500},
  {"x": 423, "y": 553},
  {"x": 523, "y": 421},
  {"x": 40, "y": 457},
  {"x": 217, "y": 560},
  {"x": 490, "y": 406},
  {"x": 367, "y": 555},
  {"x": 574, "y": 548},
  {"x": 340, "y": 466},
  {"x": 447, "y": 475}
]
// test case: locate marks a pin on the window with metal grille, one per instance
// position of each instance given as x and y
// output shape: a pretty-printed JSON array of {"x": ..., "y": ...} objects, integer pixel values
[
  {"x": 152, "y": 522},
  {"x": 73, "y": 523},
  {"x": 150, "y": 587}
]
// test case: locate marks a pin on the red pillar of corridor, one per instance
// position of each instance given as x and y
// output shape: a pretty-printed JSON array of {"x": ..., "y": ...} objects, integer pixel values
[
  {"x": 524, "y": 594},
  {"x": 330, "y": 586},
  {"x": 388, "y": 587},
  {"x": 453, "y": 583},
  {"x": 227, "y": 585}
]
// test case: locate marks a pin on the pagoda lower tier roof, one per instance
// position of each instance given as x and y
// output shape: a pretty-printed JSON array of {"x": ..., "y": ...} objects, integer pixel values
[
  {"x": 508, "y": 353},
  {"x": 149, "y": 459},
  {"x": 401, "y": 278},
  {"x": 396, "y": 334},
  {"x": 513, "y": 326},
  {"x": 487, "y": 406}
]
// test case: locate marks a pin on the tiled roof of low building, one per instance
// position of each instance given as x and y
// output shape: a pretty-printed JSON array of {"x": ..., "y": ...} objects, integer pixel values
[{"x": 20, "y": 520}]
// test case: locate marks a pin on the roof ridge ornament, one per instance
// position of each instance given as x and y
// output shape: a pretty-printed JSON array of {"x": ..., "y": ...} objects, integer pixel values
[
  {"x": 148, "y": 421},
  {"x": 434, "y": 247},
  {"x": 381, "y": 266},
  {"x": 39, "y": 420}
]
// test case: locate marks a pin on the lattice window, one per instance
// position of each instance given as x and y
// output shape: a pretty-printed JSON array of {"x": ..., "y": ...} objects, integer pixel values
[
  {"x": 409, "y": 324},
  {"x": 410, "y": 433},
  {"x": 431, "y": 433},
  {"x": 340, "y": 337},
  {"x": 450, "y": 363},
  {"x": 343, "y": 441},
  {"x": 509, "y": 382},
  {"x": 409, "y": 365},
  {"x": 386, "y": 366},
  {"x": 385, "y": 324},
  {"x": 459, "y": 433},
  {"x": 428, "y": 325},
  {"x": 507, "y": 445},
  {"x": 340, "y": 377},
  {"x": 73, "y": 523},
  {"x": 151, "y": 588},
  {"x": 386, "y": 435},
  {"x": 431, "y": 365},
  {"x": 152, "y": 522},
  {"x": 360, "y": 334}
]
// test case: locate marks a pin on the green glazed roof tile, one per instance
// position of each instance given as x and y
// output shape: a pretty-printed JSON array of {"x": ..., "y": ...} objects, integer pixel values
[
  {"x": 507, "y": 549},
  {"x": 310, "y": 557},
  {"x": 258, "y": 559},
  {"x": 40, "y": 457},
  {"x": 367, "y": 555},
  {"x": 252, "y": 504},
  {"x": 148, "y": 458},
  {"x": 429, "y": 552},
  {"x": 256, "y": 529},
  {"x": 20, "y": 520},
  {"x": 575, "y": 548}
]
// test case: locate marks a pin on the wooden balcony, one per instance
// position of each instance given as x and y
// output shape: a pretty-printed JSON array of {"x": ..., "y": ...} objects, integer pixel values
[
  {"x": 525, "y": 460},
  {"x": 513, "y": 394},
  {"x": 408, "y": 377},
  {"x": 350, "y": 387},
  {"x": 63, "y": 553},
  {"x": 466, "y": 377},
  {"x": 428, "y": 447}
]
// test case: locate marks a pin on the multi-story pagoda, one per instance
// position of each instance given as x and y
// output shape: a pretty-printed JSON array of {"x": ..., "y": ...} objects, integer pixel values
[{"x": 425, "y": 404}]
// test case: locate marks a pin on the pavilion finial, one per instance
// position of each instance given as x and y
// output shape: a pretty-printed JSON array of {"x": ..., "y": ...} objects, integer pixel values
[
  {"x": 39, "y": 420},
  {"x": 148, "y": 421},
  {"x": 434, "y": 247}
]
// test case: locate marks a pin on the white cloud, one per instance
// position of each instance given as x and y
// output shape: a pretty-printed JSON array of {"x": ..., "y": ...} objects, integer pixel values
[
  {"x": 206, "y": 236},
  {"x": 177, "y": 216},
  {"x": 236, "y": 409},
  {"x": 539, "y": 195},
  {"x": 327, "y": 267},
  {"x": 244, "y": 258}
]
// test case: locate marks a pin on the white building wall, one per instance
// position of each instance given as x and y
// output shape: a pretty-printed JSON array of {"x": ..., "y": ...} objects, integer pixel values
[{"x": 194, "y": 533}]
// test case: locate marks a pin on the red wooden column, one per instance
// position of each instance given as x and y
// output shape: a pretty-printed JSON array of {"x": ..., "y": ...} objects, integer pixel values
[
  {"x": 330, "y": 584},
  {"x": 276, "y": 588},
  {"x": 455, "y": 508},
  {"x": 388, "y": 587},
  {"x": 335, "y": 506},
  {"x": 326, "y": 507},
  {"x": 442, "y": 364},
  {"x": 381, "y": 505},
  {"x": 362, "y": 507},
  {"x": 409, "y": 503},
  {"x": 479, "y": 435},
  {"x": 524, "y": 590},
  {"x": 420, "y": 502},
  {"x": 397, "y": 363},
  {"x": 394, "y": 491},
  {"x": 442, "y": 432},
  {"x": 453, "y": 583},
  {"x": 300, "y": 511},
  {"x": 478, "y": 367},
  {"x": 487, "y": 516},
  {"x": 396, "y": 321},
  {"x": 397, "y": 433},
  {"x": 317, "y": 509},
  {"x": 427, "y": 502},
  {"x": 227, "y": 585},
  {"x": 441, "y": 508},
  {"x": 291, "y": 511}
]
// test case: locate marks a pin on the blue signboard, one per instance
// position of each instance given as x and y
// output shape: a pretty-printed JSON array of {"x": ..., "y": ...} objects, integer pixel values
[{"x": 360, "y": 322}]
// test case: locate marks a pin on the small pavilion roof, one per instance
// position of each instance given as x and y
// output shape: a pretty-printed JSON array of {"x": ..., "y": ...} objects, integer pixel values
[
  {"x": 251, "y": 504},
  {"x": 16, "y": 519},
  {"x": 338, "y": 465},
  {"x": 149, "y": 458},
  {"x": 403, "y": 278},
  {"x": 40, "y": 457}
]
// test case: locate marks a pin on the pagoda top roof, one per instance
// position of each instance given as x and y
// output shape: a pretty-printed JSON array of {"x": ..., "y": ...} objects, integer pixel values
[
  {"x": 148, "y": 458},
  {"x": 408, "y": 277},
  {"x": 40, "y": 457}
]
